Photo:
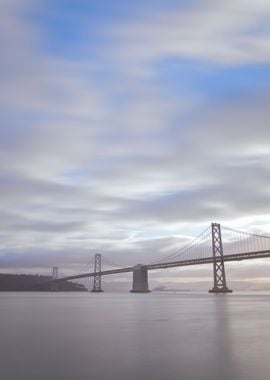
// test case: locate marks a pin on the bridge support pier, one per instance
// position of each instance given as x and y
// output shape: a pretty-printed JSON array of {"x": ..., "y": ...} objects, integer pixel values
[
  {"x": 220, "y": 285},
  {"x": 54, "y": 284},
  {"x": 140, "y": 279},
  {"x": 97, "y": 276}
]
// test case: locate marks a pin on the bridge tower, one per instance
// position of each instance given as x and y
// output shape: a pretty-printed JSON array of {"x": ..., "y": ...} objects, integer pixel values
[
  {"x": 140, "y": 279},
  {"x": 220, "y": 285},
  {"x": 54, "y": 285},
  {"x": 97, "y": 276}
]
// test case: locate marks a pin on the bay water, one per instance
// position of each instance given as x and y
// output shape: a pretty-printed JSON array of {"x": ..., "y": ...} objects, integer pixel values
[{"x": 123, "y": 336}]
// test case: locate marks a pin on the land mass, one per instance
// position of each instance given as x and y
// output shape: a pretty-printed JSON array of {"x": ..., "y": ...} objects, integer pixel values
[{"x": 35, "y": 283}]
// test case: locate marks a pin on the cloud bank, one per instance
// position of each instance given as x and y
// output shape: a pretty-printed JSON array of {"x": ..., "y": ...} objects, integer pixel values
[{"x": 134, "y": 138}]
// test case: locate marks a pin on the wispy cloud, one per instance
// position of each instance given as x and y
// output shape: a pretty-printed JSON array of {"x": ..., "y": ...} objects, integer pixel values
[
  {"x": 222, "y": 33},
  {"x": 116, "y": 148}
]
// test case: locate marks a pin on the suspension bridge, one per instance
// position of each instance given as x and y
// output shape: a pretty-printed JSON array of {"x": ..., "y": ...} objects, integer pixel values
[{"x": 216, "y": 245}]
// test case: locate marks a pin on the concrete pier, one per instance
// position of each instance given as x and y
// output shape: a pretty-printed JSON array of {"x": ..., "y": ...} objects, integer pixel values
[
  {"x": 220, "y": 290},
  {"x": 97, "y": 291},
  {"x": 140, "y": 279}
]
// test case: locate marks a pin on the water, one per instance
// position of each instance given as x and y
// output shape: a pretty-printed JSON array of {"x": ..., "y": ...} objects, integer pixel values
[{"x": 62, "y": 336}]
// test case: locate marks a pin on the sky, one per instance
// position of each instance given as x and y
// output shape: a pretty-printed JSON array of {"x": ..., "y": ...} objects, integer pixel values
[{"x": 126, "y": 128}]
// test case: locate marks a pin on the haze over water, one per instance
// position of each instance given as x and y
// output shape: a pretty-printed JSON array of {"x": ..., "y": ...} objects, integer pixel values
[{"x": 109, "y": 336}]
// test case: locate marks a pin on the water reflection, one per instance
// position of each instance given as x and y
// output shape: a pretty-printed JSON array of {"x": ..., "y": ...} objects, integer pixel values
[{"x": 224, "y": 362}]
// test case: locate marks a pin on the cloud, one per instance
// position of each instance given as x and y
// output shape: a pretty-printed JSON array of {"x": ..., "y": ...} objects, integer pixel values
[
  {"x": 99, "y": 153},
  {"x": 230, "y": 33}
]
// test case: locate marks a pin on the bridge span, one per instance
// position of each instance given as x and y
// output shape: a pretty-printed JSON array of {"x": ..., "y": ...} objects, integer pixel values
[
  {"x": 190, "y": 255},
  {"x": 140, "y": 267}
]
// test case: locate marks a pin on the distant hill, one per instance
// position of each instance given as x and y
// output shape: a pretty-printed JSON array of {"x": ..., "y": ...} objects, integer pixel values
[{"x": 27, "y": 282}]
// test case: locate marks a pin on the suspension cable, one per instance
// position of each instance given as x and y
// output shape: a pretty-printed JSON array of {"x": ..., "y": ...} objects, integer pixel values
[
  {"x": 244, "y": 232},
  {"x": 201, "y": 237}
]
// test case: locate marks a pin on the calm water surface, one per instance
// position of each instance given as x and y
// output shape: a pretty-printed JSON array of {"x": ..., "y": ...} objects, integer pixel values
[{"x": 62, "y": 336}]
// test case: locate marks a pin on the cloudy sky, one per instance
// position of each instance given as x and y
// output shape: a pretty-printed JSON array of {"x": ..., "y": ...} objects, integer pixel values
[{"x": 128, "y": 127}]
